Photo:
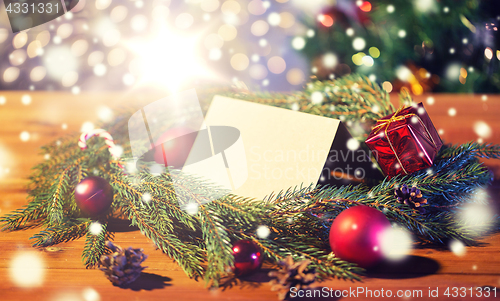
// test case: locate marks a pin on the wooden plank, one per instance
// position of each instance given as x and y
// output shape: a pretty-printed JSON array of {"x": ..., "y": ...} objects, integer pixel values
[{"x": 67, "y": 279}]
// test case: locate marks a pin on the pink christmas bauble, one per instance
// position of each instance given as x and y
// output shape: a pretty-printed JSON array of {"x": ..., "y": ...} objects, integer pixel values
[
  {"x": 173, "y": 147},
  {"x": 356, "y": 235}
]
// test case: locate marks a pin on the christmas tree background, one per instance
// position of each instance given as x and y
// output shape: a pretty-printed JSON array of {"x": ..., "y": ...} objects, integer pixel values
[
  {"x": 425, "y": 45},
  {"x": 438, "y": 46}
]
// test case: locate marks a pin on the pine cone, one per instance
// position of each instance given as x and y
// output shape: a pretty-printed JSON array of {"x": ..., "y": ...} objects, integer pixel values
[
  {"x": 123, "y": 266},
  {"x": 411, "y": 197},
  {"x": 292, "y": 274}
]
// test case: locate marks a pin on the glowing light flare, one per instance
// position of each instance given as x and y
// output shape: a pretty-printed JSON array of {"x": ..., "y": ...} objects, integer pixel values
[
  {"x": 239, "y": 61},
  {"x": 27, "y": 270},
  {"x": 374, "y": 52},
  {"x": 118, "y": 14},
  {"x": 17, "y": 57},
  {"x": 86, "y": 126},
  {"x": 95, "y": 228},
  {"x": 263, "y": 231},
  {"x": 4, "y": 34},
  {"x": 191, "y": 208},
  {"x": 366, "y": 6},
  {"x": 458, "y": 248},
  {"x": 26, "y": 99},
  {"x": 476, "y": 218},
  {"x": 358, "y": 44},
  {"x": 230, "y": 7},
  {"x": 20, "y": 39},
  {"x": 488, "y": 53},
  {"x": 90, "y": 294},
  {"x": 298, "y": 43},
  {"x": 276, "y": 64},
  {"x": 368, "y": 61},
  {"x": 353, "y": 144},
  {"x": 387, "y": 86},
  {"x": 274, "y": 19},
  {"x": 425, "y": 6},
  {"x": 209, "y": 5},
  {"x": 228, "y": 32},
  {"x": 79, "y": 47},
  {"x": 43, "y": 37},
  {"x": 102, "y": 4},
  {"x": 287, "y": 20},
  {"x": 65, "y": 30},
  {"x": 116, "y": 57},
  {"x": 357, "y": 59},
  {"x": 325, "y": 20},
  {"x": 482, "y": 129},
  {"x": 10, "y": 74},
  {"x": 295, "y": 76},
  {"x": 396, "y": 244},
  {"x": 256, "y": 7},
  {"x": 317, "y": 98},
  {"x": 105, "y": 113},
  {"x": 258, "y": 72},
  {"x": 170, "y": 67},
  {"x": 58, "y": 61},
  {"x": 259, "y": 28},
  {"x": 139, "y": 23}
]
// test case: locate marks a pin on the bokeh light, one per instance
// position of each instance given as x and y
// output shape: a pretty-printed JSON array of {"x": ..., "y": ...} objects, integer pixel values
[
  {"x": 27, "y": 270},
  {"x": 396, "y": 244},
  {"x": 239, "y": 61},
  {"x": 458, "y": 248},
  {"x": 11, "y": 74},
  {"x": 228, "y": 32},
  {"x": 58, "y": 61},
  {"x": 263, "y": 232},
  {"x": 478, "y": 218},
  {"x": 482, "y": 129},
  {"x": 295, "y": 76},
  {"x": 20, "y": 40},
  {"x": 259, "y": 28},
  {"x": 358, "y": 44},
  {"x": 38, "y": 73},
  {"x": 276, "y": 64}
]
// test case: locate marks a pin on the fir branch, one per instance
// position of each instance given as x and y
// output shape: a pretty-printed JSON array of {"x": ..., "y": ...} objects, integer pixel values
[
  {"x": 188, "y": 256},
  {"x": 69, "y": 230},
  {"x": 95, "y": 245},
  {"x": 326, "y": 265},
  {"x": 219, "y": 252},
  {"x": 32, "y": 213},
  {"x": 55, "y": 206},
  {"x": 479, "y": 150}
]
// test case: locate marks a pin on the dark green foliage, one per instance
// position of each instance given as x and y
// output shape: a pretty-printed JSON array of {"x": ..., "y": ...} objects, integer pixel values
[
  {"x": 436, "y": 36},
  {"x": 299, "y": 219}
]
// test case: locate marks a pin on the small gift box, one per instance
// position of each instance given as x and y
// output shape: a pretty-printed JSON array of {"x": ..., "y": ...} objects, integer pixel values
[{"x": 404, "y": 142}]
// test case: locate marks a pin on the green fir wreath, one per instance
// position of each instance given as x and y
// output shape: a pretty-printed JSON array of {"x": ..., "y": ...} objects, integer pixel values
[{"x": 298, "y": 219}]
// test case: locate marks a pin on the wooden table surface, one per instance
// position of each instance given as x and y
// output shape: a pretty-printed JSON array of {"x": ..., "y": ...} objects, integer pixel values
[{"x": 67, "y": 279}]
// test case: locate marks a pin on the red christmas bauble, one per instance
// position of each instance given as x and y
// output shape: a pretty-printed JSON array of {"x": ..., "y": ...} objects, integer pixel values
[
  {"x": 248, "y": 257},
  {"x": 174, "y": 146},
  {"x": 93, "y": 195},
  {"x": 356, "y": 235}
]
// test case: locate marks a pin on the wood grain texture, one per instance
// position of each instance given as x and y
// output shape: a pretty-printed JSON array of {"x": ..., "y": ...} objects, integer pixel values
[{"x": 67, "y": 279}]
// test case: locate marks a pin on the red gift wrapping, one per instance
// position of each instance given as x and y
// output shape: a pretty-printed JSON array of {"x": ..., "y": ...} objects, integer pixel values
[{"x": 404, "y": 142}]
